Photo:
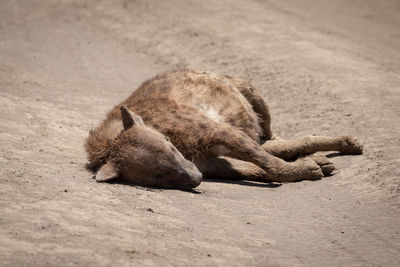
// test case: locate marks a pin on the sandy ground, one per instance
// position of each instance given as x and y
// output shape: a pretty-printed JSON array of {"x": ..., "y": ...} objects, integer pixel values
[{"x": 325, "y": 67}]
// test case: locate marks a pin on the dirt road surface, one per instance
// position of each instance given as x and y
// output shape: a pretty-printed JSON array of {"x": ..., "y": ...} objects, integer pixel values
[{"x": 325, "y": 67}]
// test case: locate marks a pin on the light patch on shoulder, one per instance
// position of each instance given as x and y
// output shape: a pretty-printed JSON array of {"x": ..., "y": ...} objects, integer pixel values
[{"x": 212, "y": 114}]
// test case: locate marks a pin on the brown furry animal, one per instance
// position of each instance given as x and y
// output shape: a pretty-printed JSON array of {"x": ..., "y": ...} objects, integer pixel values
[{"x": 182, "y": 125}]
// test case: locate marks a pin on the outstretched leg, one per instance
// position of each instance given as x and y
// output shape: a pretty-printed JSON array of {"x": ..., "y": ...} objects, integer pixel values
[
  {"x": 234, "y": 169},
  {"x": 289, "y": 149},
  {"x": 234, "y": 143},
  {"x": 229, "y": 168}
]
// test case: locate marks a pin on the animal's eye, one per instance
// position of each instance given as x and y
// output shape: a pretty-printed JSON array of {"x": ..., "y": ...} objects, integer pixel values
[
  {"x": 158, "y": 175},
  {"x": 166, "y": 138}
]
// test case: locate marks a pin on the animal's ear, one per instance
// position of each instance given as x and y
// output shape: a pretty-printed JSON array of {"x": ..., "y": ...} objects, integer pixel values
[
  {"x": 106, "y": 172},
  {"x": 129, "y": 118}
]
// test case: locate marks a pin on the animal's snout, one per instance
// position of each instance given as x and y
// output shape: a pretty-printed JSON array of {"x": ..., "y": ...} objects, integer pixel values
[
  {"x": 196, "y": 179},
  {"x": 191, "y": 177}
]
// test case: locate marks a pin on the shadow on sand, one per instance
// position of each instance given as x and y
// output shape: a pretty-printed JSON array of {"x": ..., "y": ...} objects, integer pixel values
[
  {"x": 242, "y": 182},
  {"x": 194, "y": 191}
]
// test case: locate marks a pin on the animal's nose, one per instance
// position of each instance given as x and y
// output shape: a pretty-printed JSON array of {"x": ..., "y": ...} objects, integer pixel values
[
  {"x": 196, "y": 179},
  {"x": 191, "y": 178}
]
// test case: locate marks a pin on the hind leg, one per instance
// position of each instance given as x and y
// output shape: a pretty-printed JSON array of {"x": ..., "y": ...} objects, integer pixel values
[{"x": 289, "y": 149}]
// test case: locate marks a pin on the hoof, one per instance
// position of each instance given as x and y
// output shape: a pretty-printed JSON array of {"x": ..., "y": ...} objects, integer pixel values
[
  {"x": 312, "y": 170},
  {"x": 326, "y": 166},
  {"x": 351, "y": 146}
]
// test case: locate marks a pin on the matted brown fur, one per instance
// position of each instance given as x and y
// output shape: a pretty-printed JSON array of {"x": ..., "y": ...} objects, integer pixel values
[{"x": 211, "y": 120}]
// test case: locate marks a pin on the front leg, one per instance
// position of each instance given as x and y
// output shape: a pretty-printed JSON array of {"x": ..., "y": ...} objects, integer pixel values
[
  {"x": 288, "y": 149},
  {"x": 229, "y": 168},
  {"x": 238, "y": 145},
  {"x": 235, "y": 169}
]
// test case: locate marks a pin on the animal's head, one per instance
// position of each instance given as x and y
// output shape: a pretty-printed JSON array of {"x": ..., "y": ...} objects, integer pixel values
[{"x": 142, "y": 155}]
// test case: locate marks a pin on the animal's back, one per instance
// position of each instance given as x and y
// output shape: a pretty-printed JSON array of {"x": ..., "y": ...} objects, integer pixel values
[{"x": 216, "y": 97}]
